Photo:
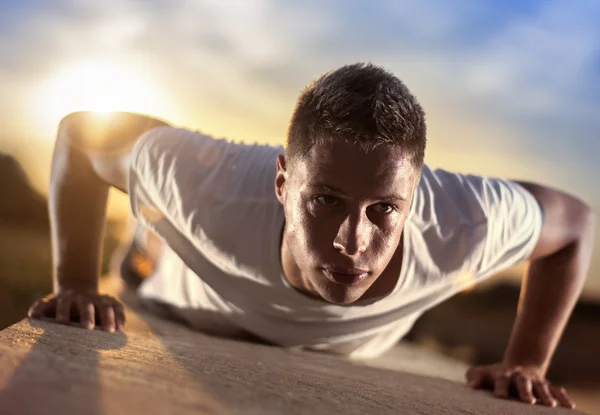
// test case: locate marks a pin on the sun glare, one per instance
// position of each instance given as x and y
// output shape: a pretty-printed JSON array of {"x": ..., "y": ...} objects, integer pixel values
[{"x": 97, "y": 86}]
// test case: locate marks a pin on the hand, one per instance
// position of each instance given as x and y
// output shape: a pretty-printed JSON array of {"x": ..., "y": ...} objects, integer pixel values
[
  {"x": 85, "y": 307},
  {"x": 527, "y": 383}
]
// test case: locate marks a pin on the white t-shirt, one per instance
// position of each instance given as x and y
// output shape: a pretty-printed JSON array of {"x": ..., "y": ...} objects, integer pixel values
[{"x": 214, "y": 203}]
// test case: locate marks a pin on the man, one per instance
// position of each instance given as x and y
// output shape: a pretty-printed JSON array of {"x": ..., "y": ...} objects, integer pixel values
[{"x": 356, "y": 240}]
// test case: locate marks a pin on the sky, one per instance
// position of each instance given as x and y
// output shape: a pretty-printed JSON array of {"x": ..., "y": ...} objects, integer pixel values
[{"x": 511, "y": 89}]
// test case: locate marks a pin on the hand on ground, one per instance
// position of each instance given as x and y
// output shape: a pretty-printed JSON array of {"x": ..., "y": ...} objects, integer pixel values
[
  {"x": 87, "y": 308},
  {"x": 528, "y": 384}
]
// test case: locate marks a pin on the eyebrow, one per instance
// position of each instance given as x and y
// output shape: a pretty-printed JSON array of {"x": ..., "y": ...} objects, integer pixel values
[{"x": 327, "y": 188}]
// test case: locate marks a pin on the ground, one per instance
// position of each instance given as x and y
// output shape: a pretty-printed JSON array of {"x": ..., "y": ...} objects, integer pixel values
[{"x": 160, "y": 367}]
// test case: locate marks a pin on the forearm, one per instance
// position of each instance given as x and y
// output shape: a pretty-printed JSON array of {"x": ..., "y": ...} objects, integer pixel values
[
  {"x": 77, "y": 208},
  {"x": 550, "y": 290},
  {"x": 91, "y": 155}
]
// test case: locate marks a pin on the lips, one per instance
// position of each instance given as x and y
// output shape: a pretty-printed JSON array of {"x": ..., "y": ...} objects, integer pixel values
[{"x": 346, "y": 276}]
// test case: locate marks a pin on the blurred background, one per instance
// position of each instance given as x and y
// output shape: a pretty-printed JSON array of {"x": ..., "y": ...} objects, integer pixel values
[{"x": 510, "y": 89}]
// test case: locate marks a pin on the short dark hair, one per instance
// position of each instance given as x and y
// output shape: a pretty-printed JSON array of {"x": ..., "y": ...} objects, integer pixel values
[{"x": 362, "y": 104}]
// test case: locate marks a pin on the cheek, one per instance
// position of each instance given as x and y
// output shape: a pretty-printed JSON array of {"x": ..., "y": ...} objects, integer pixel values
[
  {"x": 387, "y": 239},
  {"x": 312, "y": 232},
  {"x": 314, "y": 229}
]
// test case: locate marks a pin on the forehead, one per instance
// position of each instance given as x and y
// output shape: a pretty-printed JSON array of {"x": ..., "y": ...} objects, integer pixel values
[{"x": 355, "y": 171}]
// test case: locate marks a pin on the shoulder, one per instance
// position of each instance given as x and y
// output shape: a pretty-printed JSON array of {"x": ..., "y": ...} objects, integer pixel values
[
  {"x": 205, "y": 150},
  {"x": 114, "y": 131},
  {"x": 193, "y": 173},
  {"x": 216, "y": 193},
  {"x": 457, "y": 219},
  {"x": 450, "y": 198}
]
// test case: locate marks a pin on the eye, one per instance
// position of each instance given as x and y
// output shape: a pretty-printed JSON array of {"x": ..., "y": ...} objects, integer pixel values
[
  {"x": 384, "y": 208},
  {"x": 326, "y": 200}
]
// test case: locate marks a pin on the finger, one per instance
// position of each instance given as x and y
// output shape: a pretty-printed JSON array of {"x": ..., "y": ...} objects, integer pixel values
[
  {"x": 86, "y": 314},
  {"x": 107, "y": 315},
  {"x": 475, "y": 377},
  {"x": 37, "y": 309},
  {"x": 562, "y": 396},
  {"x": 501, "y": 385},
  {"x": 119, "y": 316},
  {"x": 43, "y": 307},
  {"x": 543, "y": 393},
  {"x": 63, "y": 309},
  {"x": 524, "y": 388}
]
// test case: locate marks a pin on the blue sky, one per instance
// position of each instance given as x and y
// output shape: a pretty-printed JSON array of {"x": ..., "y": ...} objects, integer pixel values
[{"x": 510, "y": 88}]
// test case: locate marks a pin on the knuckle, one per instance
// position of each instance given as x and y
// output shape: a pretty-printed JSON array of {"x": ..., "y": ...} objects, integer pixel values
[
  {"x": 539, "y": 385},
  {"x": 520, "y": 377},
  {"x": 504, "y": 377},
  {"x": 66, "y": 294},
  {"x": 87, "y": 311},
  {"x": 104, "y": 300},
  {"x": 63, "y": 299}
]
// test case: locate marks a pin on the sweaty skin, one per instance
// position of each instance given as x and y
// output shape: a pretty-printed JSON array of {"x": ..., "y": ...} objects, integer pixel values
[{"x": 345, "y": 209}]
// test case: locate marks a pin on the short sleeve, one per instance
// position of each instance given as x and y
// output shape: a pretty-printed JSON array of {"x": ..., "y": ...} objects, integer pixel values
[
  {"x": 169, "y": 169},
  {"x": 206, "y": 197},
  {"x": 514, "y": 221},
  {"x": 468, "y": 227}
]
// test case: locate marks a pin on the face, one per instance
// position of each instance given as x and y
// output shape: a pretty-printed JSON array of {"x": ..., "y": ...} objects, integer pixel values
[{"x": 345, "y": 210}]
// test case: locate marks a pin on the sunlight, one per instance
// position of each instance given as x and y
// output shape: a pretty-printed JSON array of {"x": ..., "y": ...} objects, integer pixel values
[
  {"x": 96, "y": 86},
  {"x": 466, "y": 281}
]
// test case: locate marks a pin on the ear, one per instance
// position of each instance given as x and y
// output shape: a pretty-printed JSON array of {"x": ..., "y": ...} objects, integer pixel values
[{"x": 281, "y": 178}]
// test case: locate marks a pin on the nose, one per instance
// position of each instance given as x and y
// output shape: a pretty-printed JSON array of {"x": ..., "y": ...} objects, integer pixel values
[{"x": 353, "y": 235}]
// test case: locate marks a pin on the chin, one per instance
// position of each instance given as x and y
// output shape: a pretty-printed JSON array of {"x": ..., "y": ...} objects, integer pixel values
[{"x": 338, "y": 294}]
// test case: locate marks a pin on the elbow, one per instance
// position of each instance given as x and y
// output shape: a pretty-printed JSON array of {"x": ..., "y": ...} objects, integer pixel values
[
  {"x": 592, "y": 220},
  {"x": 586, "y": 223},
  {"x": 578, "y": 221},
  {"x": 588, "y": 215},
  {"x": 72, "y": 119},
  {"x": 83, "y": 130},
  {"x": 70, "y": 127}
]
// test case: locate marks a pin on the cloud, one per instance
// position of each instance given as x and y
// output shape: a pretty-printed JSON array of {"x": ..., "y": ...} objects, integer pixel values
[
  {"x": 525, "y": 71},
  {"x": 509, "y": 88}
]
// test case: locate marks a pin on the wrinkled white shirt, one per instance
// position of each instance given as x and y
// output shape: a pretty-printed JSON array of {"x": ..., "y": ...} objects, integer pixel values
[{"x": 213, "y": 202}]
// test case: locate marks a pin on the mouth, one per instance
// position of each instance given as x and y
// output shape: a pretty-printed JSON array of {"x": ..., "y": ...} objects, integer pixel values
[{"x": 345, "y": 276}]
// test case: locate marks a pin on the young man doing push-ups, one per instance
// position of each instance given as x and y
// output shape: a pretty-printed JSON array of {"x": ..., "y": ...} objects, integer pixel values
[{"x": 337, "y": 243}]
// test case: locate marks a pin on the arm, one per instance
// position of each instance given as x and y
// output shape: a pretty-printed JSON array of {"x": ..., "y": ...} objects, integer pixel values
[
  {"x": 554, "y": 280},
  {"x": 91, "y": 154},
  {"x": 551, "y": 287}
]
